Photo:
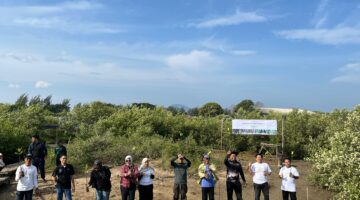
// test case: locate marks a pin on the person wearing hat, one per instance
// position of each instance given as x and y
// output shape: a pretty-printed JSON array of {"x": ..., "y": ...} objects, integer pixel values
[
  {"x": 63, "y": 176},
  {"x": 260, "y": 171},
  {"x": 2, "y": 164},
  {"x": 233, "y": 173},
  {"x": 100, "y": 180},
  {"x": 180, "y": 170},
  {"x": 38, "y": 150},
  {"x": 146, "y": 177},
  {"x": 208, "y": 178},
  {"x": 26, "y": 176},
  {"x": 129, "y": 174}
]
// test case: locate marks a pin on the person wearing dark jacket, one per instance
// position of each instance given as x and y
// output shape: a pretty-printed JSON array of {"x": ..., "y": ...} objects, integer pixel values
[
  {"x": 100, "y": 180},
  {"x": 233, "y": 173},
  {"x": 180, "y": 182},
  {"x": 59, "y": 151},
  {"x": 39, "y": 152}
]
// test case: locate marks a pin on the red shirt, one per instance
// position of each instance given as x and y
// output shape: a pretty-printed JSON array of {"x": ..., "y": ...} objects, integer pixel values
[{"x": 127, "y": 180}]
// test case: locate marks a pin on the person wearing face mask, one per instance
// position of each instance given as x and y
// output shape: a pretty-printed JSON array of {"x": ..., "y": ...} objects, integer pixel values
[
  {"x": 208, "y": 178},
  {"x": 129, "y": 174},
  {"x": 26, "y": 175},
  {"x": 288, "y": 174},
  {"x": 100, "y": 180},
  {"x": 146, "y": 177},
  {"x": 233, "y": 173}
]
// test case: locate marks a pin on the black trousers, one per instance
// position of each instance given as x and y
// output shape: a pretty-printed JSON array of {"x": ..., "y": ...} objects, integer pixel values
[
  {"x": 233, "y": 186},
  {"x": 207, "y": 192},
  {"x": 128, "y": 193},
  {"x": 261, "y": 187},
  {"x": 286, "y": 195},
  {"x": 21, "y": 195},
  {"x": 39, "y": 163},
  {"x": 146, "y": 192},
  {"x": 180, "y": 190}
]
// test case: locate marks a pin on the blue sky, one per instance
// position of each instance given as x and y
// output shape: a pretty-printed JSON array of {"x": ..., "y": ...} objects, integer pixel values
[{"x": 302, "y": 54}]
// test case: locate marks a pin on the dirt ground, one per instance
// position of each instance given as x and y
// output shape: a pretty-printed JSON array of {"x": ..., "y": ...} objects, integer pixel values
[{"x": 164, "y": 181}]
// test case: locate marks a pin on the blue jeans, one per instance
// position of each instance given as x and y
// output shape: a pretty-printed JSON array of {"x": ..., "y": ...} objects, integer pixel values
[
  {"x": 102, "y": 195},
  {"x": 27, "y": 195},
  {"x": 60, "y": 192},
  {"x": 127, "y": 193}
]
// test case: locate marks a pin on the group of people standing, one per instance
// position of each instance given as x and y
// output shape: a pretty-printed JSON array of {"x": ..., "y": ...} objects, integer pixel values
[
  {"x": 208, "y": 178},
  {"x": 141, "y": 177}
]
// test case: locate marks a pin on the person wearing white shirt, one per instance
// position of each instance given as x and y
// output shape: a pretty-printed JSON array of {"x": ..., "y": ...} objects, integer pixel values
[
  {"x": 26, "y": 175},
  {"x": 147, "y": 174},
  {"x": 260, "y": 172},
  {"x": 288, "y": 174},
  {"x": 2, "y": 164}
]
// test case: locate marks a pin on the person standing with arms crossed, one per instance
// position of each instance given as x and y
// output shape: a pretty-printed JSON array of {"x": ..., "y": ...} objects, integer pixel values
[
  {"x": 233, "y": 173},
  {"x": 39, "y": 152},
  {"x": 288, "y": 174},
  {"x": 180, "y": 170},
  {"x": 260, "y": 172}
]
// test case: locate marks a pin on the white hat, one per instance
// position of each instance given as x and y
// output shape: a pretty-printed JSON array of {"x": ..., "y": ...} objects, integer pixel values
[
  {"x": 128, "y": 157},
  {"x": 1, "y": 154}
]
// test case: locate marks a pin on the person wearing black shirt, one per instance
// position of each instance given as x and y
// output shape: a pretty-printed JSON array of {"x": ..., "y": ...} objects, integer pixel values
[
  {"x": 234, "y": 169},
  {"x": 100, "y": 180},
  {"x": 63, "y": 176},
  {"x": 38, "y": 150}
]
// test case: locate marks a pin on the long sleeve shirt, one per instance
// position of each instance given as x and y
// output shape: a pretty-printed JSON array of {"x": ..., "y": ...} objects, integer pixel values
[
  {"x": 180, "y": 170},
  {"x": 234, "y": 168},
  {"x": 29, "y": 180},
  {"x": 2, "y": 164},
  {"x": 127, "y": 181}
]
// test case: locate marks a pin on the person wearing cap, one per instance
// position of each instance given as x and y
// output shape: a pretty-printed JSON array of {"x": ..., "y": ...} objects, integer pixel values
[
  {"x": 180, "y": 171},
  {"x": 146, "y": 177},
  {"x": 233, "y": 172},
  {"x": 100, "y": 180},
  {"x": 288, "y": 174},
  {"x": 260, "y": 171},
  {"x": 38, "y": 150},
  {"x": 208, "y": 178},
  {"x": 26, "y": 175},
  {"x": 129, "y": 174},
  {"x": 63, "y": 176},
  {"x": 2, "y": 164}
]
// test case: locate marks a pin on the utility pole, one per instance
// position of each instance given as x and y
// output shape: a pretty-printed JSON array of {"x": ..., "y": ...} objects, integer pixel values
[
  {"x": 221, "y": 132},
  {"x": 282, "y": 133}
]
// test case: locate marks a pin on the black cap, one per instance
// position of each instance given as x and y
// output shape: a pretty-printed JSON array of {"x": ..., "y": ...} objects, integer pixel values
[
  {"x": 29, "y": 155},
  {"x": 97, "y": 162},
  {"x": 233, "y": 151}
]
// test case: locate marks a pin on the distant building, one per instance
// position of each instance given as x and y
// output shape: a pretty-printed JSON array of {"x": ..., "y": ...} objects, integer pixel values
[{"x": 282, "y": 110}]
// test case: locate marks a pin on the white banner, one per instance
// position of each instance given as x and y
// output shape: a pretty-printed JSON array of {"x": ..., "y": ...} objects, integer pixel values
[{"x": 254, "y": 127}]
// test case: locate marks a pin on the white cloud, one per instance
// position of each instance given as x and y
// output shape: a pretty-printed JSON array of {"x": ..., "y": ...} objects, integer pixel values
[
  {"x": 42, "y": 84},
  {"x": 194, "y": 60},
  {"x": 350, "y": 73},
  {"x": 334, "y": 36},
  {"x": 19, "y": 57},
  {"x": 243, "y": 52},
  {"x": 237, "y": 18},
  {"x": 13, "y": 85}
]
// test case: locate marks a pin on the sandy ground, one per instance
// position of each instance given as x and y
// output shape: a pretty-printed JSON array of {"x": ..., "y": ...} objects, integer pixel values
[{"x": 164, "y": 181}]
